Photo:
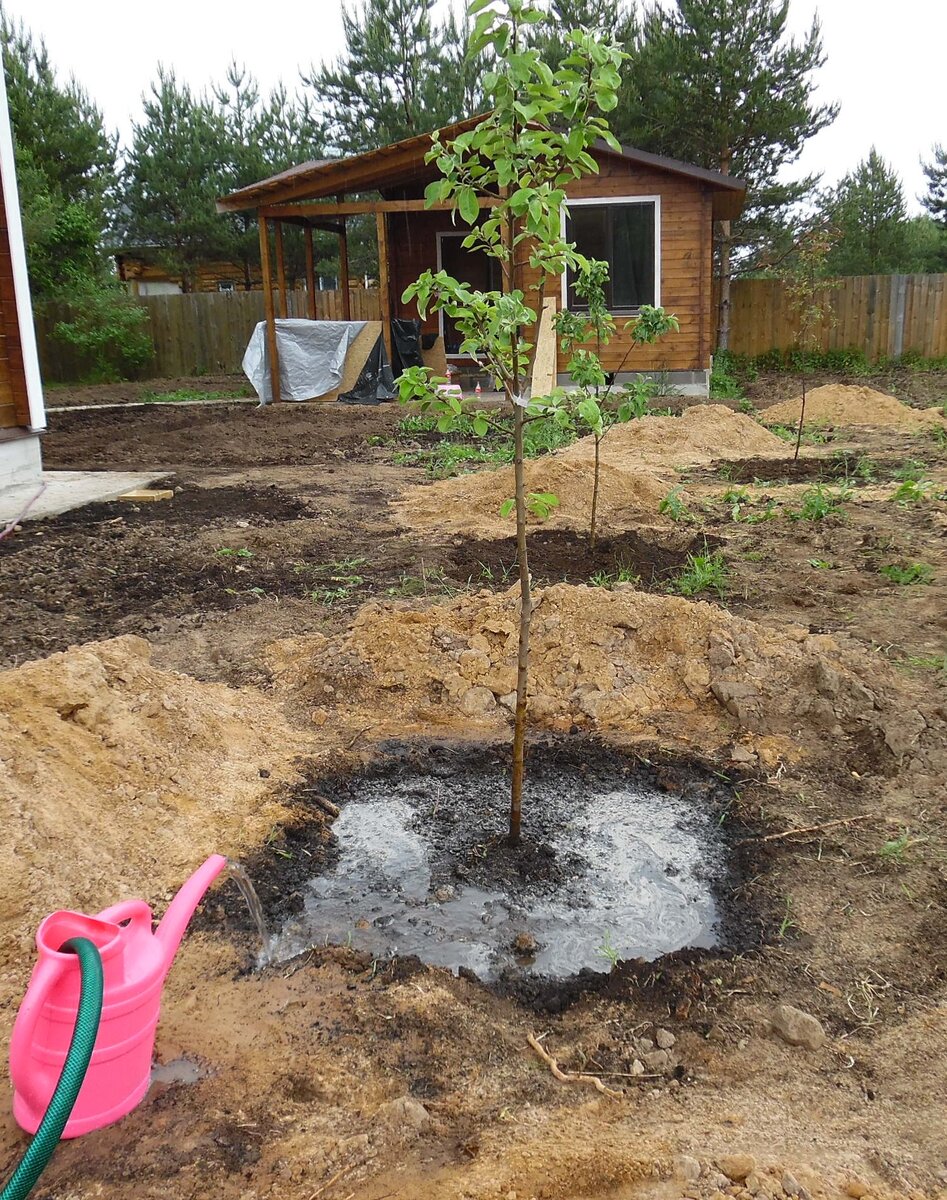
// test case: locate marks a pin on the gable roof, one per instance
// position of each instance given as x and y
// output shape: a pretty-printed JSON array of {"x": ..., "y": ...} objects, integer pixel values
[{"x": 403, "y": 163}]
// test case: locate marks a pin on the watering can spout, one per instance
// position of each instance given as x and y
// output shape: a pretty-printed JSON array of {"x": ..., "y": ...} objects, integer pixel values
[{"x": 181, "y": 909}]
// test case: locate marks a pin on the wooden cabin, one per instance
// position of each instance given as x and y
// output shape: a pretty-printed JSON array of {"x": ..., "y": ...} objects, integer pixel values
[
  {"x": 22, "y": 415},
  {"x": 650, "y": 217}
]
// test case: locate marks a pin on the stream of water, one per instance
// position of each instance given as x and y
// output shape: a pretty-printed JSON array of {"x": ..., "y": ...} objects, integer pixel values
[{"x": 239, "y": 875}]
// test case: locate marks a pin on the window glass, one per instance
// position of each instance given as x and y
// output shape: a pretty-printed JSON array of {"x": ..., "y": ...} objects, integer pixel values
[{"x": 623, "y": 236}]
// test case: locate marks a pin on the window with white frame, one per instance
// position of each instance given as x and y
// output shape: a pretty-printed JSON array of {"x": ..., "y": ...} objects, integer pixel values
[{"x": 625, "y": 233}]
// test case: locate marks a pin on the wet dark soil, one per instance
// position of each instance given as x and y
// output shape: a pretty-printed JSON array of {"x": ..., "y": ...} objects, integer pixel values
[
  {"x": 559, "y": 555},
  {"x": 834, "y": 468},
  {"x": 462, "y": 794}
]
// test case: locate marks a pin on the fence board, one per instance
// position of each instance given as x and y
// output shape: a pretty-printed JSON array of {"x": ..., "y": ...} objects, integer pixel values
[
  {"x": 206, "y": 333},
  {"x": 882, "y": 315},
  {"x": 201, "y": 333}
]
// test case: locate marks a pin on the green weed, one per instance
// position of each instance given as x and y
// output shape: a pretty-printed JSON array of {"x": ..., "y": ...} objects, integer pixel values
[
  {"x": 336, "y": 580},
  {"x": 909, "y": 573},
  {"x": 230, "y": 552},
  {"x": 913, "y": 491},
  {"x": 895, "y": 849},
  {"x": 818, "y": 503},
  {"x": 608, "y": 579},
  {"x": 607, "y": 951},
  {"x": 703, "y": 573},
  {"x": 673, "y": 506},
  {"x": 912, "y": 469}
]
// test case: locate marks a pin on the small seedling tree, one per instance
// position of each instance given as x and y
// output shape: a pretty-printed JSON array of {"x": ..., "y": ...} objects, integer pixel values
[
  {"x": 591, "y": 403},
  {"x": 506, "y": 179},
  {"x": 807, "y": 292}
]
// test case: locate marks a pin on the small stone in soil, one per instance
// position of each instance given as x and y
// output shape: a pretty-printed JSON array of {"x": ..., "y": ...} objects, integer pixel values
[{"x": 798, "y": 1028}]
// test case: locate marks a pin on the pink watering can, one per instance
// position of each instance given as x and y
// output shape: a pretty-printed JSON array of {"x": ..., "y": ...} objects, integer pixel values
[{"x": 135, "y": 961}]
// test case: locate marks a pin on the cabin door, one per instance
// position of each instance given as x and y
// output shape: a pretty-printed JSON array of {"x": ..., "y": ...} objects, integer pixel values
[{"x": 473, "y": 267}]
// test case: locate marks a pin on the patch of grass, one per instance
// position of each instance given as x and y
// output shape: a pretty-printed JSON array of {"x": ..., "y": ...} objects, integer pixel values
[
  {"x": 608, "y": 579},
  {"x": 812, "y": 435},
  {"x": 895, "y": 849},
  {"x": 939, "y": 434},
  {"x": 857, "y": 466},
  {"x": 788, "y": 922},
  {"x": 431, "y": 582},
  {"x": 607, "y": 951},
  {"x": 451, "y": 458},
  {"x": 821, "y": 564},
  {"x": 232, "y": 552},
  {"x": 703, "y": 573},
  {"x": 912, "y": 469},
  {"x": 184, "y": 395},
  {"x": 724, "y": 384},
  {"x": 926, "y": 662},
  {"x": 334, "y": 581},
  {"x": 909, "y": 573}
]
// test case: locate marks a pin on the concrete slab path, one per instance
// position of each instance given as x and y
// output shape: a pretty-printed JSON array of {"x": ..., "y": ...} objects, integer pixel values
[{"x": 61, "y": 491}]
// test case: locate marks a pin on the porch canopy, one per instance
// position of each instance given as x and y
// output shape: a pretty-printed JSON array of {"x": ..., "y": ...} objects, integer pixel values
[{"x": 313, "y": 196}]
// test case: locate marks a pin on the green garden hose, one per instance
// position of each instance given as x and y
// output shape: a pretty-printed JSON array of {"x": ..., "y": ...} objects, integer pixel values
[{"x": 46, "y": 1138}]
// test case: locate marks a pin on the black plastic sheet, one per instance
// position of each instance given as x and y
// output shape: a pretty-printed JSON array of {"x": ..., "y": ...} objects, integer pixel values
[{"x": 376, "y": 382}]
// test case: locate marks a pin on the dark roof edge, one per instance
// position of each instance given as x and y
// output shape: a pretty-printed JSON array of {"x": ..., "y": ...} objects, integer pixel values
[{"x": 677, "y": 166}]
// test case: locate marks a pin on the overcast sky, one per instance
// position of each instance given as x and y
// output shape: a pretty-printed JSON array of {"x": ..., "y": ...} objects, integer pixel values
[{"x": 885, "y": 62}]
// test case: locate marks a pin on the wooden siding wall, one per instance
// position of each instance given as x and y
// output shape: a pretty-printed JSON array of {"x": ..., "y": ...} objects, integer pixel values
[
  {"x": 686, "y": 263},
  {"x": 14, "y": 402},
  {"x": 202, "y": 333},
  {"x": 881, "y": 315}
]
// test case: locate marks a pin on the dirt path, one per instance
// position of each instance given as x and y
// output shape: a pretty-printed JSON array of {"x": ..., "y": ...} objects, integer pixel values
[{"x": 346, "y": 1078}]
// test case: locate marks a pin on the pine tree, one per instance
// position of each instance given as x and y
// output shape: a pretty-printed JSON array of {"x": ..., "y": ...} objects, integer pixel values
[
  {"x": 935, "y": 171},
  {"x": 262, "y": 138},
  {"x": 869, "y": 217},
  {"x": 720, "y": 84},
  {"x": 398, "y": 76},
  {"x": 65, "y": 163},
  {"x": 174, "y": 172}
]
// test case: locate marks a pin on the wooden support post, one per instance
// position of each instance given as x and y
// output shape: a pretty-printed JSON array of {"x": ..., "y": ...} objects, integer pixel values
[
  {"x": 310, "y": 275},
  {"x": 272, "y": 353},
  {"x": 344, "y": 272},
  {"x": 281, "y": 269},
  {"x": 384, "y": 280}
]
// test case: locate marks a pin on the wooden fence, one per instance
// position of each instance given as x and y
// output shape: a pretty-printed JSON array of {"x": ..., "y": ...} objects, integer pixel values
[
  {"x": 206, "y": 333},
  {"x": 202, "y": 333},
  {"x": 881, "y": 315}
]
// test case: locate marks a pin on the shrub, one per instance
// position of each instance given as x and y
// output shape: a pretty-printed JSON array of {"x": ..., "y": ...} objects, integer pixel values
[{"x": 108, "y": 329}]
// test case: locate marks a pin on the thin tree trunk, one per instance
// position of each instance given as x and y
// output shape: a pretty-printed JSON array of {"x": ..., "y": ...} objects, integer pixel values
[
  {"x": 526, "y": 612},
  {"x": 802, "y": 417},
  {"x": 593, "y": 532}
]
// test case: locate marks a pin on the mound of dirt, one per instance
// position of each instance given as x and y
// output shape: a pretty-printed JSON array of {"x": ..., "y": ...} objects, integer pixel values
[
  {"x": 845, "y": 404},
  {"x": 118, "y": 779},
  {"x": 639, "y": 463},
  {"x": 622, "y": 661}
]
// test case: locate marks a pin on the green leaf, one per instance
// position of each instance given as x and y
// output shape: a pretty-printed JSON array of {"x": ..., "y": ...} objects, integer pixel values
[
  {"x": 468, "y": 205},
  {"x": 507, "y": 506}
]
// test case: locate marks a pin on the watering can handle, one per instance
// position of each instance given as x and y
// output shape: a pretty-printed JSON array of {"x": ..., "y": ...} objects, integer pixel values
[
  {"x": 135, "y": 911},
  {"x": 46, "y": 974}
]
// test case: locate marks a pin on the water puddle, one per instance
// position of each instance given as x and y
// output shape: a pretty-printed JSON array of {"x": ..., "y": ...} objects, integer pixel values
[
  {"x": 612, "y": 867},
  {"x": 182, "y": 1070}
]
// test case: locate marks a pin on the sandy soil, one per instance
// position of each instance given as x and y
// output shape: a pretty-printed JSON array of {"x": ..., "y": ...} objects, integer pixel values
[
  {"x": 847, "y": 405},
  {"x": 820, "y": 690}
]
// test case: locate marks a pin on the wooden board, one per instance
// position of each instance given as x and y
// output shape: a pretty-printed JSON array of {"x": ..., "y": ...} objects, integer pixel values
[
  {"x": 355, "y": 360},
  {"x": 436, "y": 358},
  {"x": 544, "y": 360}
]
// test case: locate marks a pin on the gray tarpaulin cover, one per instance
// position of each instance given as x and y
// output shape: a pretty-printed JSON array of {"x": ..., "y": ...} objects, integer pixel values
[{"x": 311, "y": 357}]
